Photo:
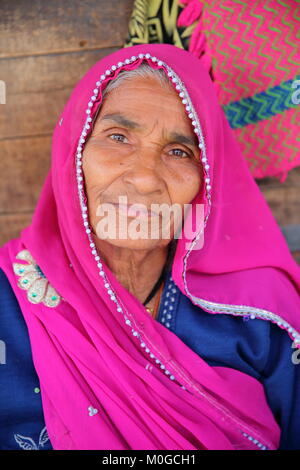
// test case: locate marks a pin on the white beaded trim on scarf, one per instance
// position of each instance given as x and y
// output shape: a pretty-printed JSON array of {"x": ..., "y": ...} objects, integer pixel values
[
  {"x": 183, "y": 94},
  {"x": 248, "y": 312},
  {"x": 255, "y": 441},
  {"x": 186, "y": 101}
]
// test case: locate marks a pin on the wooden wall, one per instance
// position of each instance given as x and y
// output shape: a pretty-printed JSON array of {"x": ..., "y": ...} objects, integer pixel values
[
  {"x": 45, "y": 48},
  {"x": 284, "y": 201}
]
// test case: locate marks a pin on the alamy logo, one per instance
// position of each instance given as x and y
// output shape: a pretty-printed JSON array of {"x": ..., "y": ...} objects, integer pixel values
[
  {"x": 2, "y": 352},
  {"x": 296, "y": 354},
  {"x": 2, "y": 92},
  {"x": 296, "y": 94},
  {"x": 159, "y": 221}
]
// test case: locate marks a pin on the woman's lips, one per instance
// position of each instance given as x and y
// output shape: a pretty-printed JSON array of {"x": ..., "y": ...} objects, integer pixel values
[{"x": 135, "y": 211}]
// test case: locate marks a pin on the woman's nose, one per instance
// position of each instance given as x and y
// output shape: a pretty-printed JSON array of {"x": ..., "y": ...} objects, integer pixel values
[{"x": 144, "y": 176}]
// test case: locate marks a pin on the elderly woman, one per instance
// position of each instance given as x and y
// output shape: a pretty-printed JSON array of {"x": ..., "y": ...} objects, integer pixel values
[{"x": 117, "y": 339}]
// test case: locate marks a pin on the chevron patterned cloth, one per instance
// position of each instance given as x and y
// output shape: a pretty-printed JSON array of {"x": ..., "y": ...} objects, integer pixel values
[{"x": 251, "y": 50}]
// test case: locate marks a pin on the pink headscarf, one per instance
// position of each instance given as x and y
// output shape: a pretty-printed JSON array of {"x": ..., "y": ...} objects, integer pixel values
[{"x": 111, "y": 376}]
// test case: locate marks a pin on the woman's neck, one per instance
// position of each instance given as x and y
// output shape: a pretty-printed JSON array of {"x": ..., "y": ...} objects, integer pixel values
[{"x": 136, "y": 270}]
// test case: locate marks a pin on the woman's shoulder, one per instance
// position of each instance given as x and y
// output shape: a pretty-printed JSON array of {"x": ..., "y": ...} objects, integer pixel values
[
  {"x": 221, "y": 339},
  {"x": 12, "y": 323},
  {"x": 257, "y": 347},
  {"x": 22, "y": 421},
  {"x": 6, "y": 290},
  {"x": 13, "y": 331},
  {"x": 10, "y": 313}
]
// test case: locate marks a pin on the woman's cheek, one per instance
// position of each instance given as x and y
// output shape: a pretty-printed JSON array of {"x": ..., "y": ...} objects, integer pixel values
[{"x": 190, "y": 184}]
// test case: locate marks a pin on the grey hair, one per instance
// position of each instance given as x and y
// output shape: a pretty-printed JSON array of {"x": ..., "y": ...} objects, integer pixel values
[{"x": 144, "y": 70}]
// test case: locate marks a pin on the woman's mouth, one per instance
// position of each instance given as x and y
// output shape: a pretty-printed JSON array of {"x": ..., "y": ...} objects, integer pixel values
[{"x": 135, "y": 210}]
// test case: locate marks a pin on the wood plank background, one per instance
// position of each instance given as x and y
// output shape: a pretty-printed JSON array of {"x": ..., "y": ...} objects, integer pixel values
[{"x": 45, "y": 48}]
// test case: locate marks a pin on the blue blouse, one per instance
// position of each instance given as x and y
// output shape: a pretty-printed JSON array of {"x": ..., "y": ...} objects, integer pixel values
[{"x": 257, "y": 347}]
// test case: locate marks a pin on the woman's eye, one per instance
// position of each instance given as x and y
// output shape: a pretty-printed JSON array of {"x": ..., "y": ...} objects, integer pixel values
[
  {"x": 118, "y": 135},
  {"x": 182, "y": 151}
]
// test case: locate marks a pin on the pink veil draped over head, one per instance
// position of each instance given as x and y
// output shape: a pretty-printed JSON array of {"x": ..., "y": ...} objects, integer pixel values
[{"x": 111, "y": 376}]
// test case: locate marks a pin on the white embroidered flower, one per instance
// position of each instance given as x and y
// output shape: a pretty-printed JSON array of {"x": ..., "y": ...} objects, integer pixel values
[
  {"x": 27, "y": 443},
  {"x": 92, "y": 410},
  {"x": 34, "y": 281}
]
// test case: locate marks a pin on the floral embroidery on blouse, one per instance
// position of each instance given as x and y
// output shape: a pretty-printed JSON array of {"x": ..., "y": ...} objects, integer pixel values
[
  {"x": 34, "y": 281},
  {"x": 27, "y": 443}
]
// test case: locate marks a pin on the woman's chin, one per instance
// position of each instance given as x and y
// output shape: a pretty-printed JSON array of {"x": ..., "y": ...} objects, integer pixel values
[{"x": 131, "y": 244}]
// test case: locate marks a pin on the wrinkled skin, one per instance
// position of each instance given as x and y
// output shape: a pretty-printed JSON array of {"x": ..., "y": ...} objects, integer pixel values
[{"x": 144, "y": 163}]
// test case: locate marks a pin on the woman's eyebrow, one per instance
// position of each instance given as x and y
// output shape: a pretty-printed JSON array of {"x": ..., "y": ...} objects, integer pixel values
[
  {"x": 184, "y": 139},
  {"x": 124, "y": 121},
  {"x": 120, "y": 119}
]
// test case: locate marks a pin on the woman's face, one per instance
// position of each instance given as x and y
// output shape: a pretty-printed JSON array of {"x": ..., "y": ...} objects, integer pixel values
[{"x": 143, "y": 148}]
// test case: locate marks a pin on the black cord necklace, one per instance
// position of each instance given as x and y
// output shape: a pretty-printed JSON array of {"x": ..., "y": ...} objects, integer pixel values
[
  {"x": 167, "y": 267},
  {"x": 155, "y": 288}
]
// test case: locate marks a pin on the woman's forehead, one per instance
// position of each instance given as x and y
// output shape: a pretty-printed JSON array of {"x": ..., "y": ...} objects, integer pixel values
[{"x": 141, "y": 100}]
